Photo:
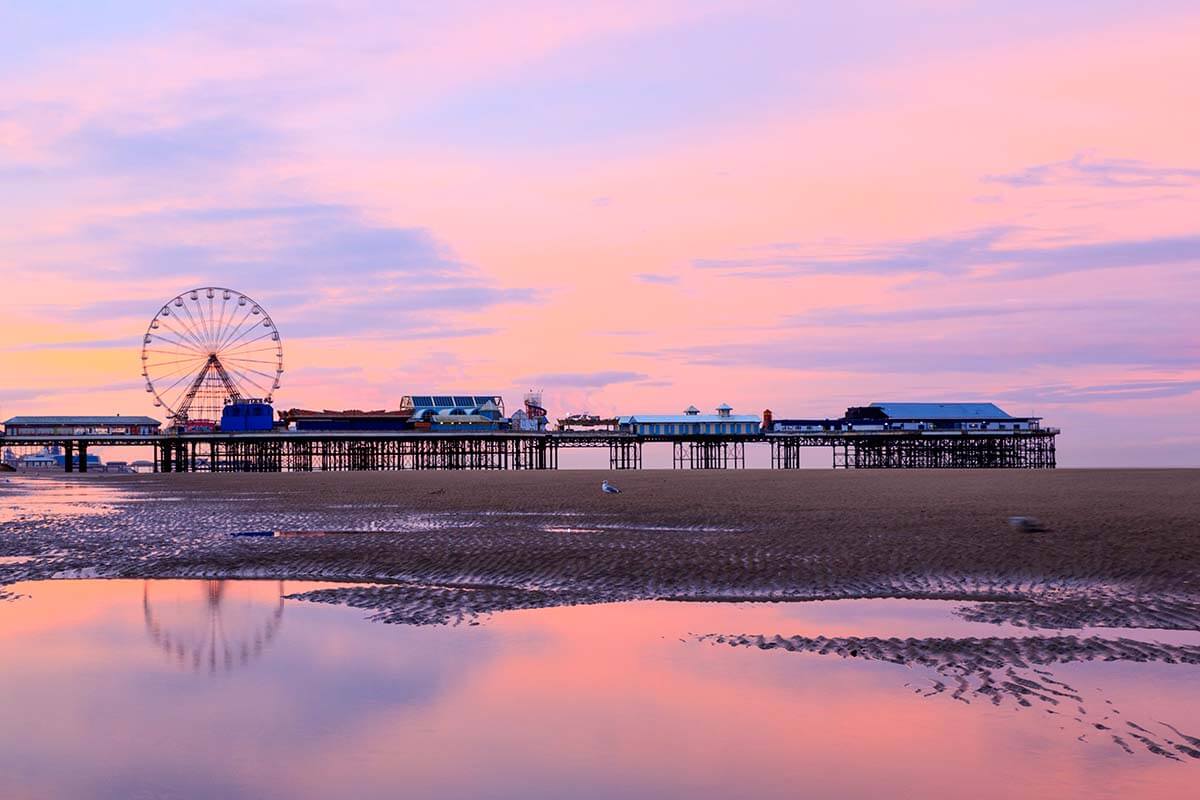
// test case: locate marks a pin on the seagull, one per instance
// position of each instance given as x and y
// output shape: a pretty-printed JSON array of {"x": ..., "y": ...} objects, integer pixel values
[{"x": 608, "y": 488}]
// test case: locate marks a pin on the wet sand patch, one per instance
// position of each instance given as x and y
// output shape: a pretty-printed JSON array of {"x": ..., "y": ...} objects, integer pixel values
[{"x": 1120, "y": 550}]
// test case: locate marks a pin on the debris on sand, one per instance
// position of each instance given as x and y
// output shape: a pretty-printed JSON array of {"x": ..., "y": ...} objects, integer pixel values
[{"x": 1026, "y": 524}]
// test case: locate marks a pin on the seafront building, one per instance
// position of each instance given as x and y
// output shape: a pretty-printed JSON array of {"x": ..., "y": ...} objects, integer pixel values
[
  {"x": 691, "y": 423},
  {"x": 116, "y": 425},
  {"x": 911, "y": 417}
]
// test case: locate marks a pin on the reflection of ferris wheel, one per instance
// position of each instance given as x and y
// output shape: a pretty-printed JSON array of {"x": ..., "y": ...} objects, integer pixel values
[
  {"x": 210, "y": 624},
  {"x": 209, "y": 346}
]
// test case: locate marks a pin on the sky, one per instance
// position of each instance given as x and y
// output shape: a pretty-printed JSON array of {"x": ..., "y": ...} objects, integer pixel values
[{"x": 631, "y": 206}]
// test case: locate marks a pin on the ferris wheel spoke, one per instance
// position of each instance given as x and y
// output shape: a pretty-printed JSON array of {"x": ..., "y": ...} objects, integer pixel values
[
  {"x": 176, "y": 346},
  {"x": 271, "y": 355},
  {"x": 154, "y": 359},
  {"x": 178, "y": 342},
  {"x": 186, "y": 329},
  {"x": 187, "y": 376},
  {"x": 210, "y": 321},
  {"x": 177, "y": 339},
  {"x": 204, "y": 325},
  {"x": 238, "y": 360},
  {"x": 240, "y": 349},
  {"x": 250, "y": 381},
  {"x": 158, "y": 354},
  {"x": 231, "y": 344},
  {"x": 255, "y": 371},
  {"x": 193, "y": 364},
  {"x": 212, "y": 314},
  {"x": 222, "y": 321},
  {"x": 233, "y": 330},
  {"x": 241, "y": 372},
  {"x": 262, "y": 346},
  {"x": 186, "y": 373},
  {"x": 195, "y": 325},
  {"x": 267, "y": 348},
  {"x": 185, "y": 333}
]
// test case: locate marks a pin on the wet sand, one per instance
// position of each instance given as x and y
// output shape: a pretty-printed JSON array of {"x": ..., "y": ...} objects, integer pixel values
[{"x": 1119, "y": 549}]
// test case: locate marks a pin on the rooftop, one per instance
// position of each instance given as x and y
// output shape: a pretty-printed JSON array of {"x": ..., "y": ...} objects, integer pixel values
[
  {"x": 685, "y": 418},
  {"x": 69, "y": 420},
  {"x": 349, "y": 412},
  {"x": 448, "y": 400},
  {"x": 928, "y": 411}
]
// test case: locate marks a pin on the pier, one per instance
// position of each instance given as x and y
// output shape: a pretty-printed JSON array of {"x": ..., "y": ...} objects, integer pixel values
[{"x": 325, "y": 451}]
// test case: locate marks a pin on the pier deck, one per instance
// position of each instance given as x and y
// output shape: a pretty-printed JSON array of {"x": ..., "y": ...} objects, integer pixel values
[{"x": 305, "y": 451}]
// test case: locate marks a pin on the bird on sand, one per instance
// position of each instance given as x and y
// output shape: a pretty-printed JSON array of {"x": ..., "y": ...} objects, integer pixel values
[{"x": 608, "y": 488}]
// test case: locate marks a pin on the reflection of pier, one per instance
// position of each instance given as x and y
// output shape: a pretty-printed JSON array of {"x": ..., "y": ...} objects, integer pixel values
[
  {"x": 295, "y": 451},
  {"x": 212, "y": 624}
]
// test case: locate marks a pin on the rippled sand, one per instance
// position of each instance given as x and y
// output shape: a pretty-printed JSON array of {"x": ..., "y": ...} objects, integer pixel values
[
  {"x": 1119, "y": 549},
  {"x": 444, "y": 548}
]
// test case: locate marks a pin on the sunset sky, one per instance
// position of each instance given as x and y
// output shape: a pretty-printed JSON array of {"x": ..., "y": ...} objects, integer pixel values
[{"x": 633, "y": 206}]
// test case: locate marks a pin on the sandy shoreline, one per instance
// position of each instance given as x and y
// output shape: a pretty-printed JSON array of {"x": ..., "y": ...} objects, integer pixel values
[{"x": 1120, "y": 549}]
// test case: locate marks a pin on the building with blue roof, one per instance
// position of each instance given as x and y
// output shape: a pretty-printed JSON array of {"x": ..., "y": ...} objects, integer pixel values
[
  {"x": 913, "y": 417},
  {"x": 941, "y": 416},
  {"x": 425, "y": 407}
]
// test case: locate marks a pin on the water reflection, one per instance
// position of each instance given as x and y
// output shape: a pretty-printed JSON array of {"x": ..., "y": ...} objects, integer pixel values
[
  {"x": 212, "y": 625},
  {"x": 24, "y": 498},
  {"x": 587, "y": 702}
]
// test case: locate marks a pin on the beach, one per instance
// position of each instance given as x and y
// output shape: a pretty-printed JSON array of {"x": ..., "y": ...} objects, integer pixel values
[
  {"x": 1118, "y": 546},
  {"x": 1078, "y": 632}
]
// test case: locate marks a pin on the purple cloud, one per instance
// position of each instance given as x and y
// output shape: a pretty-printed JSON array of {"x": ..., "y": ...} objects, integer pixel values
[
  {"x": 1124, "y": 390},
  {"x": 859, "y": 317},
  {"x": 958, "y": 255},
  {"x": 220, "y": 142},
  {"x": 587, "y": 380},
  {"x": 320, "y": 270},
  {"x": 1086, "y": 170}
]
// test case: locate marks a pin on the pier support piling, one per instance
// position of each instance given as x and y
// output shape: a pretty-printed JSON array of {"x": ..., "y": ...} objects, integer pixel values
[{"x": 706, "y": 454}]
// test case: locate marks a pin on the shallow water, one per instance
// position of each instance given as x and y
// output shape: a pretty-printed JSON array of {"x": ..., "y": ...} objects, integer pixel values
[
  {"x": 226, "y": 689},
  {"x": 23, "y": 498}
]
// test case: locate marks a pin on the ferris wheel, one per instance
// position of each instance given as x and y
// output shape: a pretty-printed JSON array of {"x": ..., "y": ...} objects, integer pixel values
[{"x": 209, "y": 346}]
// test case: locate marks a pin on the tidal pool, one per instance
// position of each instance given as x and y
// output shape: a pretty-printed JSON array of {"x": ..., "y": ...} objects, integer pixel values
[{"x": 228, "y": 689}]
